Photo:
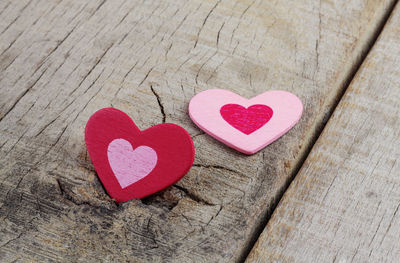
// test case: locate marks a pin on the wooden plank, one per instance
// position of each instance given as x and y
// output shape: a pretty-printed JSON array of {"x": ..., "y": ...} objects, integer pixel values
[
  {"x": 344, "y": 204},
  {"x": 60, "y": 61}
]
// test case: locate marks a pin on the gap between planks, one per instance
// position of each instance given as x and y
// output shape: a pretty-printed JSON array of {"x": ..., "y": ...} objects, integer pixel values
[{"x": 319, "y": 128}]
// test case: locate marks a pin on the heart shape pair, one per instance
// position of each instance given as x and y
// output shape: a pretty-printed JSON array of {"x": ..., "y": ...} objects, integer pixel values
[
  {"x": 134, "y": 164},
  {"x": 245, "y": 125}
]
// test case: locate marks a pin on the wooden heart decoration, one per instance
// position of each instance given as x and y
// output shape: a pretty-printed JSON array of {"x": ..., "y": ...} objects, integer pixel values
[
  {"x": 132, "y": 163},
  {"x": 247, "y": 125}
]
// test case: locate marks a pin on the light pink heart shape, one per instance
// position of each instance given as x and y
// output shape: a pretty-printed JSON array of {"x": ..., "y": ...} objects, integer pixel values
[
  {"x": 130, "y": 165},
  {"x": 205, "y": 111}
]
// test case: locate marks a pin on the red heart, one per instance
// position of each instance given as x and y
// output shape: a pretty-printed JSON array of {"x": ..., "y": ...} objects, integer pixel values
[
  {"x": 246, "y": 120},
  {"x": 160, "y": 155}
]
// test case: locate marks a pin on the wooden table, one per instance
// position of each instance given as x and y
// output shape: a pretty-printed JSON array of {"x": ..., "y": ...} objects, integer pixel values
[{"x": 327, "y": 191}]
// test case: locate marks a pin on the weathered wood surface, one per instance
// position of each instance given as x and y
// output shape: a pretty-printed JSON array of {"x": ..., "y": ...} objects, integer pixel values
[
  {"x": 60, "y": 61},
  {"x": 344, "y": 204}
]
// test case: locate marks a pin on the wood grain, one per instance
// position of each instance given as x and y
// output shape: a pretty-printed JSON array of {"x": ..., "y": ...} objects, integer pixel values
[
  {"x": 60, "y": 61},
  {"x": 344, "y": 204}
]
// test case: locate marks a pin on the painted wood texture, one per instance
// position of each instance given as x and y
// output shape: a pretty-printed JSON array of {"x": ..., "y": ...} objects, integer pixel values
[
  {"x": 344, "y": 204},
  {"x": 60, "y": 61},
  {"x": 245, "y": 124}
]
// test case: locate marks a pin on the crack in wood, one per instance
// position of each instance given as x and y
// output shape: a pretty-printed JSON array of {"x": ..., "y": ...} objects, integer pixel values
[{"x": 159, "y": 103}]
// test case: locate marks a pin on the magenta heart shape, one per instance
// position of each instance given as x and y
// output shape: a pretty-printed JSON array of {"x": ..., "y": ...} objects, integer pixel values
[{"x": 246, "y": 120}]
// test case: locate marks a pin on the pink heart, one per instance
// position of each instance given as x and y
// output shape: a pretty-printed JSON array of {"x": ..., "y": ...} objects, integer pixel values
[
  {"x": 247, "y": 131},
  {"x": 130, "y": 165},
  {"x": 246, "y": 120}
]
